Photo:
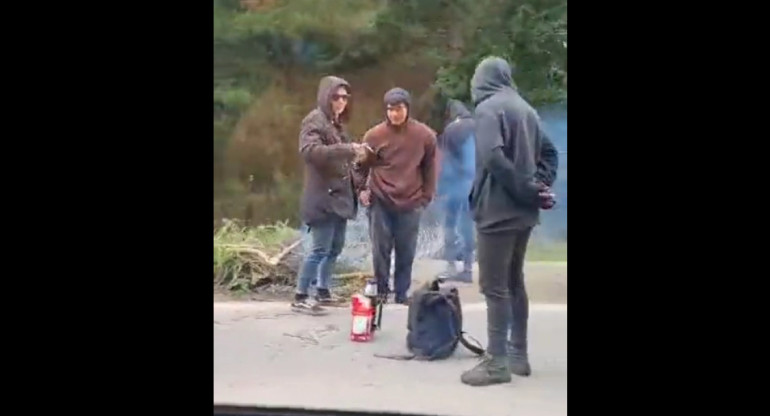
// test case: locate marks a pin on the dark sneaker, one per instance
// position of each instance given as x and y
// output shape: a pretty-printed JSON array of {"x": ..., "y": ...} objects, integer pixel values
[
  {"x": 518, "y": 360},
  {"x": 324, "y": 297},
  {"x": 401, "y": 300},
  {"x": 519, "y": 366},
  {"x": 303, "y": 304},
  {"x": 491, "y": 370}
]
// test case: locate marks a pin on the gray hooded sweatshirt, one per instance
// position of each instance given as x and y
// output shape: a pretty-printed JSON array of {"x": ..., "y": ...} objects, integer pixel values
[{"x": 509, "y": 145}]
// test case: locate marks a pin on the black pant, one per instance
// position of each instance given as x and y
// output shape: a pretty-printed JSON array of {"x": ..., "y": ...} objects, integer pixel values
[
  {"x": 391, "y": 230},
  {"x": 501, "y": 278}
]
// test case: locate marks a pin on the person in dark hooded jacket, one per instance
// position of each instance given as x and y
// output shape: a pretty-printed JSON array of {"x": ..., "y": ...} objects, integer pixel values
[
  {"x": 396, "y": 186},
  {"x": 456, "y": 172},
  {"x": 510, "y": 187},
  {"x": 328, "y": 195}
]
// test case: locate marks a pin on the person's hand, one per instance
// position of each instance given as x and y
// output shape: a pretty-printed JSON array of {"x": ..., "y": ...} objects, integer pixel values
[
  {"x": 547, "y": 199},
  {"x": 363, "y": 153},
  {"x": 365, "y": 197},
  {"x": 359, "y": 152},
  {"x": 425, "y": 201},
  {"x": 548, "y": 202}
]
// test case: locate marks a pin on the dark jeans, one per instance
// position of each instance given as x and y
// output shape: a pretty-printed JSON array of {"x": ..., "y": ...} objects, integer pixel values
[
  {"x": 328, "y": 241},
  {"x": 391, "y": 230},
  {"x": 457, "y": 217},
  {"x": 501, "y": 279}
]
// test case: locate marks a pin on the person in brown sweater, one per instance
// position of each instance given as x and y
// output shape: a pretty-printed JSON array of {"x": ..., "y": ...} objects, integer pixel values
[{"x": 396, "y": 186}]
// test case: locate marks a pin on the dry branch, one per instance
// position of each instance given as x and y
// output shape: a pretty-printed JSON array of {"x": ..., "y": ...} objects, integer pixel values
[
  {"x": 353, "y": 276},
  {"x": 270, "y": 260},
  {"x": 253, "y": 266}
]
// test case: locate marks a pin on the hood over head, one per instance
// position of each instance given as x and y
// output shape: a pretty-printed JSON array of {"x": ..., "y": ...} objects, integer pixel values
[
  {"x": 493, "y": 74},
  {"x": 395, "y": 96},
  {"x": 455, "y": 109},
  {"x": 326, "y": 88}
]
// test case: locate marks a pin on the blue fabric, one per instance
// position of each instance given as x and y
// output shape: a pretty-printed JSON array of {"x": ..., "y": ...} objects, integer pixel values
[
  {"x": 458, "y": 220},
  {"x": 458, "y": 167},
  {"x": 328, "y": 240}
]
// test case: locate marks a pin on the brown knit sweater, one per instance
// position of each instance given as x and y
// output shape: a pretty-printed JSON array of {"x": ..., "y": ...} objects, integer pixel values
[{"x": 403, "y": 176}]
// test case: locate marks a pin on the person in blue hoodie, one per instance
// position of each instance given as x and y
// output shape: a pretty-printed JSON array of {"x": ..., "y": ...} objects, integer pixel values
[{"x": 456, "y": 173}]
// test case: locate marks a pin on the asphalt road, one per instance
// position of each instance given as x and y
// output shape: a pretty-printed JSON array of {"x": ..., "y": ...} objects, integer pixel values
[{"x": 265, "y": 354}]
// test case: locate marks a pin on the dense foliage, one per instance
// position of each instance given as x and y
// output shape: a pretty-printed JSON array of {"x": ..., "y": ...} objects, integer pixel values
[{"x": 269, "y": 45}]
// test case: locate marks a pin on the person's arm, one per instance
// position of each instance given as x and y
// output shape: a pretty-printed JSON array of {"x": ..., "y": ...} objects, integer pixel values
[
  {"x": 429, "y": 172},
  {"x": 362, "y": 169},
  {"x": 548, "y": 163},
  {"x": 513, "y": 174},
  {"x": 315, "y": 152}
]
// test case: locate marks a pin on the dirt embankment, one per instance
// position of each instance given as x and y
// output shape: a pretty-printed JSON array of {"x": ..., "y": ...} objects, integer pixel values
[{"x": 546, "y": 283}]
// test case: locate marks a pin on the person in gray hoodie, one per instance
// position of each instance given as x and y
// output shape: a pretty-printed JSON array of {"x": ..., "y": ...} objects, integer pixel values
[{"x": 511, "y": 185}]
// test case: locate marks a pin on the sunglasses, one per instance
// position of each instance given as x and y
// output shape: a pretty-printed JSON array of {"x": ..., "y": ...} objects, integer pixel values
[{"x": 343, "y": 97}]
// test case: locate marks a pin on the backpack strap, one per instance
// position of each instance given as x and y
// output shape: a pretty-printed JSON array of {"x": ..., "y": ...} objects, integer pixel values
[
  {"x": 478, "y": 350},
  {"x": 402, "y": 357},
  {"x": 474, "y": 349}
]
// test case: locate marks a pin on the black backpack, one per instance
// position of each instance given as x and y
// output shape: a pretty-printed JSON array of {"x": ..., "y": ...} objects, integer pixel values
[{"x": 435, "y": 324}]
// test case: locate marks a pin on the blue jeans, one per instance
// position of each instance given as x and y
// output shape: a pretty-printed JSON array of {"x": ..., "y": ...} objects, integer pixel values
[
  {"x": 457, "y": 217},
  {"x": 328, "y": 241}
]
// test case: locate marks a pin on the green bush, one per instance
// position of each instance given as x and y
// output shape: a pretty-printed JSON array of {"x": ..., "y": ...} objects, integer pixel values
[
  {"x": 532, "y": 35},
  {"x": 257, "y": 51},
  {"x": 232, "y": 98}
]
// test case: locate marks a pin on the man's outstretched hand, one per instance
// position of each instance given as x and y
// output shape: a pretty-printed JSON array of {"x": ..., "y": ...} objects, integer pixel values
[{"x": 363, "y": 153}]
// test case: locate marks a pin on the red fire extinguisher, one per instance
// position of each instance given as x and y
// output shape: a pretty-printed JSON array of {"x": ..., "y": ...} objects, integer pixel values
[
  {"x": 367, "y": 314},
  {"x": 363, "y": 316}
]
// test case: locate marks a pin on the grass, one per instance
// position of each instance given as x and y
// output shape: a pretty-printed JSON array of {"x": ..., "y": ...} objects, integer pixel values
[
  {"x": 554, "y": 252},
  {"x": 239, "y": 270},
  {"x": 252, "y": 259},
  {"x": 265, "y": 237}
]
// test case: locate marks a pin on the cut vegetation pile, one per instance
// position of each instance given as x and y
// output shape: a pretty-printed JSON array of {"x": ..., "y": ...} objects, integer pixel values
[{"x": 266, "y": 260}]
